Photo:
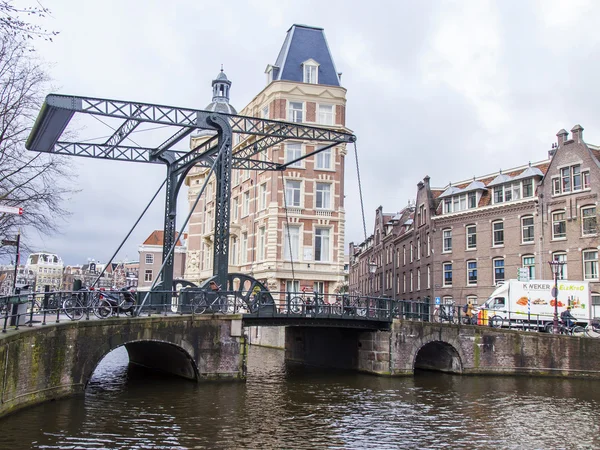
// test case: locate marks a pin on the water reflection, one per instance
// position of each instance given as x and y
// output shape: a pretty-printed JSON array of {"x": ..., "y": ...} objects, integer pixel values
[{"x": 289, "y": 406}]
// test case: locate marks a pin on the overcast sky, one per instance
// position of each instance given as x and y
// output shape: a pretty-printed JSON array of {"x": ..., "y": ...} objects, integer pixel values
[{"x": 446, "y": 89}]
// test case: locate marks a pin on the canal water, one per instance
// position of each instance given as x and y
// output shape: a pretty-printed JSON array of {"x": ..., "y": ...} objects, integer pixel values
[{"x": 285, "y": 406}]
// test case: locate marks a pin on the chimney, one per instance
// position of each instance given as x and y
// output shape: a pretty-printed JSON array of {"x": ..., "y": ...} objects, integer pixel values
[
  {"x": 420, "y": 185},
  {"x": 577, "y": 132},
  {"x": 562, "y": 136}
]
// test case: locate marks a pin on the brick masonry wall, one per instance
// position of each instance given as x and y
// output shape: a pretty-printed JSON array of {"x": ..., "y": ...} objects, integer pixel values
[{"x": 46, "y": 363}]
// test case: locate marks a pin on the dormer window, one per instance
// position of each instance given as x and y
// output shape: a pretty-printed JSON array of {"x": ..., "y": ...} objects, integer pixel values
[
  {"x": 311, "y": 71},
  {"x": 570, "y": 179}
]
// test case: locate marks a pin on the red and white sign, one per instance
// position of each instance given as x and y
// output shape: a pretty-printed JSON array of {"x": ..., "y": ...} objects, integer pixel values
[{"x": 11, "y": 210}]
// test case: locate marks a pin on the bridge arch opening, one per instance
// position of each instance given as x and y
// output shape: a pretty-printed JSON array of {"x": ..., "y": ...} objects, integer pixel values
[
  {"x": 157, "y": 356},
  {"x": 439, "y": 356}
]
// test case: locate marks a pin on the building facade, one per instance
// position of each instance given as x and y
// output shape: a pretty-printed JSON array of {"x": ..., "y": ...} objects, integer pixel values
[
  {"x": 456, "y": 244},
  {"x": 148, "y": 268},
  {"x": 287, "y": 229},
  {"x": 48, "y": 270}
]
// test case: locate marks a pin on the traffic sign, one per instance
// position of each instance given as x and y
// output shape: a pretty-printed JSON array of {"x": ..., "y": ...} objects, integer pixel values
[
  {"x": 11, "y": 210},
  {"x": 523, "y": 274},
  {"x": 8, "y": 242},
  {"x": 437, "y": 300}
]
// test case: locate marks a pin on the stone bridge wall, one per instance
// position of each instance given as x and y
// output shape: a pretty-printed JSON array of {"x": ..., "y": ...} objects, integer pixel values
[{"x": 45, "y": 363}]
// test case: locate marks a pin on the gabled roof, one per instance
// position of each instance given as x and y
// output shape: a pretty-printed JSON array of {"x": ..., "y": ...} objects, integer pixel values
[
  {"x": 500, "y": 179},
  {"x": 301, "y": 44},
  {"x": 157, "y": 238}
]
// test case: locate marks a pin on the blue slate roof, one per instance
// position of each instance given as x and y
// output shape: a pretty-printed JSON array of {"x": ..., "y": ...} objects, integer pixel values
[{"x": 301, "y": 44}]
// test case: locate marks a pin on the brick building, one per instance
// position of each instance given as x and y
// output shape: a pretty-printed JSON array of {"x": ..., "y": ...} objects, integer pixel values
[
  {"x": 459, "y": 242},
  {"x": 287, "y": 229}
]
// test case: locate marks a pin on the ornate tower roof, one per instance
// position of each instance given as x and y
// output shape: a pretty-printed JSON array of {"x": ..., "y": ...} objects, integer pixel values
[{"x": 220, "y": 98}]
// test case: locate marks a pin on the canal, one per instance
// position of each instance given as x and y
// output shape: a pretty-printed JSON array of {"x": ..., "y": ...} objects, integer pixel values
[{"x": 284, "y": 406}]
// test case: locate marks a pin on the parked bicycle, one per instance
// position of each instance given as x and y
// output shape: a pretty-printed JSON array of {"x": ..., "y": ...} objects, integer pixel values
[
  {"x": 445, "y": 313},
  {"x": 115, "y": 303},
  {"x": 211, "y": 300},
  {"x": 305, "y": 303}
]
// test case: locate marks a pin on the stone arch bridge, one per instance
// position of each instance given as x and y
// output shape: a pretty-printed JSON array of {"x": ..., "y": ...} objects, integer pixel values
[{"x": 43, "y": 363}]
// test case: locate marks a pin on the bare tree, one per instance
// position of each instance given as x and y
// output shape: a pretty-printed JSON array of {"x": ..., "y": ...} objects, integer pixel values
[
  {"x": 36, "y": 182},
  {"x": 15, "y": 21}
]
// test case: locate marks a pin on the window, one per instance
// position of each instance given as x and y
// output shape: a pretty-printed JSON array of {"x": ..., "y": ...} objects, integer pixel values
[
  {"x": 265, "y": 112},
  {"x": 498, "y": 194},
  {"x": 404, "y": 255},
  {"x": 291, "y": 242},
  {"x": 471, "y": 237},
  {"x": 447, "y": 274},
  {"x": 149, "y": 258},
  {"x": 447, "y": 205},
  {"x": 590, "y": 264},
  {"x": 559, "y": 225},
  {"x": 498, "y": 270},
  {"x": 261, "y": 243},
  {"x": 404, "y": 282},
  {"x": 412, "y": 252},
  {"x": 472, "y": 200},
  {"x": 507, "y": 192},
  {"x": 471, "y": 273},
  {"x": 263, "y": 196},
  {"x": 418, "y": 279},
  {"x": 246, "y": 204},
  {"x": 326, "y": 114},
  {"x": 529, "y": 264},
  {"x": 310, "y": 73},
  {"x": 295, "y": 112},
  {"x": 418, "y": 249},
  {"x": 148, "y": 275},
  {"x": 244, "y": 249},
  {"x": 428, "y": 277},
  {"x": 292, "y": 193},
  {"x": 234, "y": 208},
  {"x": 233, "y": 250},
  {"x": 323, "y": 196},
  {"x": 428, "y": 244},
  {"x": 322, "y": 244},
  {"x": 293, "y": 152},
  {"x": 528, "y": 188},
  {"x": 459, "y": 203},
  {"x": 411, "y": 281},
  {"x": 323, "y": 160},
  {"x": 319, "y": 286},
  {"x": 292, "y": 286},
  {"x": 498, "y": 233},
  {"x": 527, "y": 229},
  {"x": 562, "y": 257},
  {"x": 588, "y": 221},
  {"x": 472, "y": 299},
  {"x": 447, "y": 239},
  {"x": 571, "y": 179}
]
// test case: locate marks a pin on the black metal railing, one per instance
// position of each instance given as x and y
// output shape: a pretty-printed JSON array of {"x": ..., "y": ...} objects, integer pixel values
[{"x": 27, "y": 309}]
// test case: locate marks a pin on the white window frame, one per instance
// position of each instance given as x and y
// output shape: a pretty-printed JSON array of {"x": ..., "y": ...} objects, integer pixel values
[
  {"x": 293, "y": 238},
  {"x": 246, "y": 203},
  {"x": 244, "y": 248},
  {"x": 263, "y": 196},
  {"x": 295, "y": 112},
  {"x": 556, "y": 221},
  {"x": 326, "y": 117},
  {"x": 590, "y": 264},
  {"x": 446, "y": 268},
  {"x": 149, "y": 258},
  {"x": 293, "y": 193},
  {"x": 591, "y": 219},
  {"x": 496, "y": 279},
  {"x": 471, "y": 269},
  {"x": 322, "y": 244},
  {"x": 528, "y": 262},
  {"x": 265, "y": 112},
  {"x": 496, "y": 241},
  {"x": 235, "y": 205},
  {"x": 310, "y": 73},
  {"x": 530, "y": 228},
  {"x": 562, "y": 257},
  {"x": 293, "y": 150},
  {"x": 468, "y": 235},
  {"x": 323, "y": 159},
  {"x": 262, "y": 243},
  {"x": 447, "y": 240},
  {"x": 323, "y": 196},
  {"x": 148, "y": 276},
  {"x": 233, "y": 251}
]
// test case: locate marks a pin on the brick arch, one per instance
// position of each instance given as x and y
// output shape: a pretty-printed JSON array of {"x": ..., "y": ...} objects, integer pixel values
[
  {"x": 156, "y": 354},
  {"x": 433, "y": 353}
]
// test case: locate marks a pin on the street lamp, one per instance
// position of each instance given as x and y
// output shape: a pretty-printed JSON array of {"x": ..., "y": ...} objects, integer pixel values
[
  {"x": 556, "y": 267},
  {"x": 372, "y": 269}
]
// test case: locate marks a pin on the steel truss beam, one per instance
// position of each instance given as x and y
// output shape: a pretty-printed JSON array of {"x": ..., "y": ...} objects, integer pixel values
[{"x": 58, "y": 110}]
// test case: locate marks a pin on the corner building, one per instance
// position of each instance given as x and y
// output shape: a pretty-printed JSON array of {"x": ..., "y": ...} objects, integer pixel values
[
  {"x": 457, "y": 243},
  {"x": 287, "y": 228}
]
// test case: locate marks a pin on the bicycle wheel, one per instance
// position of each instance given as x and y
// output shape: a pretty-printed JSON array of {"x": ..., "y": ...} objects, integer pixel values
[
  {"x": 578, "y": 331},
  {"x": 592, "y": 331},
  {"x": 225, "y": 304},
  {"x": 335, "y": 309},
  {"x": 497, "y": 321},
  {"x": 296, "y": 305},
  {"x": 361, "y": 307},
  {"x": 72, "y": 308},
  {"x": 102, "y": 309},
  {"x": 437, "y": 317},
  {"x": 199, "y": 304}
]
